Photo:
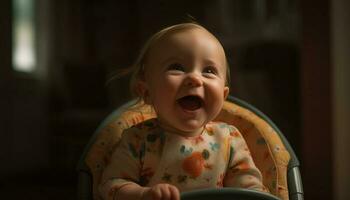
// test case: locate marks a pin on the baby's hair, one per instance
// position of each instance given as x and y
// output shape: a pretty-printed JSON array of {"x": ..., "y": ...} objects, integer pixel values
[{"x": 138, "y": 68}]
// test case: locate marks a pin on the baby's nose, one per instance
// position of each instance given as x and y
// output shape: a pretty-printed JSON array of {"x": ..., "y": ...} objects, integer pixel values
[{"x": 193, "y": 80}]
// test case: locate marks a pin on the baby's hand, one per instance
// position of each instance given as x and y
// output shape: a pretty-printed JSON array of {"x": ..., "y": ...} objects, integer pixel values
[{"x": 161, "y": 192}]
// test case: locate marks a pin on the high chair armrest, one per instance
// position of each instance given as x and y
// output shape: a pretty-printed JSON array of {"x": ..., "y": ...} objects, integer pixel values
[
  {"x": 227, "y": 194},
  {"x": 84, "y": 190},
  {"x": 295, "y": 186}
]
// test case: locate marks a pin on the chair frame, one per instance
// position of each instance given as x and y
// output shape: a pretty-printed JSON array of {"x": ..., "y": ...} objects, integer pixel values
[{"x": 295, "y": 187}]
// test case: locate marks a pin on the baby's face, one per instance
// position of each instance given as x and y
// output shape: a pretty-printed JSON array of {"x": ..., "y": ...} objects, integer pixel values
[{"x": 185, "y": 76}]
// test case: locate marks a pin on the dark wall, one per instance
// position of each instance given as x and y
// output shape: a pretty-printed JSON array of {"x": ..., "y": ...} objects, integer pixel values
[
  {"x": 317, "y": 97},
  {"x": 6, "y": 85}
]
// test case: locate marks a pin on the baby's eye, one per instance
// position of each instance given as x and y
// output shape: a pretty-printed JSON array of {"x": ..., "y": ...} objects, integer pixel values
[
  {"x": 210, "y": 70},
  {"x": 176, "y": 67}
]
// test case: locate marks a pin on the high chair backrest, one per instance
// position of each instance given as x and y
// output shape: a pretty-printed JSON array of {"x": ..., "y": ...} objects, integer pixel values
[{"x": 270, "y": 150}]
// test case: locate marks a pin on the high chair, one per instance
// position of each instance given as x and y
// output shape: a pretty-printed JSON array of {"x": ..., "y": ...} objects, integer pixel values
[{"x": 270, "y": 150}]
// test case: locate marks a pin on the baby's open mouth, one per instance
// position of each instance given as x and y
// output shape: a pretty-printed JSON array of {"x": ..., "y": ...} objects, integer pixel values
[{"x": 190, "y": 102}]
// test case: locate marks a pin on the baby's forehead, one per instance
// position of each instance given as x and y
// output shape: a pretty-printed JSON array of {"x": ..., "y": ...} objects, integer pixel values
[
  {"x": 185, "y": 40},
  {"x": 187, "y": 33}
]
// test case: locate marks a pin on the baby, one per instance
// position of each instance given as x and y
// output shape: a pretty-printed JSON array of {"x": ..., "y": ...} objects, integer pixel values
[{"x": 182, "y": 73}]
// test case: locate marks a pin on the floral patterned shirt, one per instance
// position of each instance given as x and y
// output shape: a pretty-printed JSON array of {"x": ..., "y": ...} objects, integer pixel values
[{"x": 147, "y": 155}]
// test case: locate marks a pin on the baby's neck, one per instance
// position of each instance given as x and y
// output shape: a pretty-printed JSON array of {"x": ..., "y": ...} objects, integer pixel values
[{"x": 174, "y": 130}]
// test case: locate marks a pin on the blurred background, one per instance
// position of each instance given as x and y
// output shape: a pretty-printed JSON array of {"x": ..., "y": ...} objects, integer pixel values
[{"x": 289, "y": 58}]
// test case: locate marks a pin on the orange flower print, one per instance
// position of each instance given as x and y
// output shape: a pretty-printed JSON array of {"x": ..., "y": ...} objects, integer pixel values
[
  {"x": 194, "y": 164},
  {"x": 209, "y": 130},
  {"x": 234, "y": 133},
  {"x": 220, "y": 182},
  {"x": 243, "y": 166},
  {"x": 197, "y": 140}
]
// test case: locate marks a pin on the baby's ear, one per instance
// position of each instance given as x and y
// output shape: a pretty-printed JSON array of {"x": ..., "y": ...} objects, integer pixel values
[
  {"x": 142, "y": 91},
  {"x": 226, "y": 91}
]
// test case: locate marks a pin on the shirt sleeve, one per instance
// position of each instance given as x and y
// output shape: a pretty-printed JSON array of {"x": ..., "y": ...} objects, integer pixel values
[
  {"x": 242, "y": 171},
  {"x": 124, "y": 165}
]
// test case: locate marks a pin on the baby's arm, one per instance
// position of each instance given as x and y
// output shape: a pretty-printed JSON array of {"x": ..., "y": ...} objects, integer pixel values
[
  {"x": 242, "y": 171},
  {"x": 120, "y": 177}
]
